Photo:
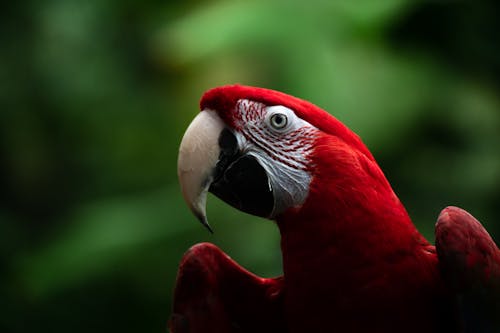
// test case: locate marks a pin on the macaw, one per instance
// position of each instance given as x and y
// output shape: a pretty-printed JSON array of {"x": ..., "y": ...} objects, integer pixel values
[{"x": 352, "y": 259}]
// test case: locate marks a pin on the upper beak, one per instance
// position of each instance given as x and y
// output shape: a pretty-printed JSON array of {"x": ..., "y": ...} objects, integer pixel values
[{"x": 198, "y": 155}]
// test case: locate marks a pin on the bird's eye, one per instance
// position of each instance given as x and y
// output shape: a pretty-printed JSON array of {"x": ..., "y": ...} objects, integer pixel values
[{"x": 278, "y": 121}]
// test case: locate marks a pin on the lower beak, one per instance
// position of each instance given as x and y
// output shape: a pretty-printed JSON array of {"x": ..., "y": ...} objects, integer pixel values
[{"x": 198, "y": 155}]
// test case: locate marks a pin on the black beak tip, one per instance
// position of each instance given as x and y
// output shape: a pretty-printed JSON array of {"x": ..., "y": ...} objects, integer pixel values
[
  {"x": 204, "y": 221},
  {"x": 208, "y": 227}
]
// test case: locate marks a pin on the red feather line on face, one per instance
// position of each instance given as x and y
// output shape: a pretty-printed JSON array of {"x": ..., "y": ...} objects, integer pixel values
[{"x": 290, "y": 149}]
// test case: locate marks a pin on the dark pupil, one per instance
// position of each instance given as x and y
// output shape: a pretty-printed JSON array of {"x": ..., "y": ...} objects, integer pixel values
[{"x": 279, "y": 120}]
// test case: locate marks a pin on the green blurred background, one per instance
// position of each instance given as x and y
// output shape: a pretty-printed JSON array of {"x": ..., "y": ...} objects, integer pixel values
[{"x": 95, "y": 96}]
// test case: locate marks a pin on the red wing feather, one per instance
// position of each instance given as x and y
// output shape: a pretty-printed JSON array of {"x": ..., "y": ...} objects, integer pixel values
[
  {"x": 214, "y": 294},
  {"x": 470, "y": 262},
  {"x": 468, "y": 255}
]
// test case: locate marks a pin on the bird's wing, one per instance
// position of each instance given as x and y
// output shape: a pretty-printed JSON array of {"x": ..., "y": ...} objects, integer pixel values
[
  {"x": 214, "y": 294},
  {"x": 470, "y": 263}
]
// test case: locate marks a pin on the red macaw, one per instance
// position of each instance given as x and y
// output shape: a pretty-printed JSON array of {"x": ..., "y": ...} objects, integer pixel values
[{"x": 352, "y": 259}]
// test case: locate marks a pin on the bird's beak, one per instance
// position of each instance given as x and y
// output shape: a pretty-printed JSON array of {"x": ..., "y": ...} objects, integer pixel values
[
  {"x": 198, "y": 155},
  {"x": 210, "y": 160}
]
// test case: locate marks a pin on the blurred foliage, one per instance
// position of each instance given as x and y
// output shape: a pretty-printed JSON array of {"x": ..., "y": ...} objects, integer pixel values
[{"x": 95, "y": 96}]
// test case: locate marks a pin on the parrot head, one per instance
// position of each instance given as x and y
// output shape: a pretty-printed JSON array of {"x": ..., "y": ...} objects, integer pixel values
[{"x": 267, "y": 153}]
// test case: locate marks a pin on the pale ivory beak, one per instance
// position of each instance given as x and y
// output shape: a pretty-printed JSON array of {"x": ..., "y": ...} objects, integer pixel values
[{"x": 198, "y": 155}]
